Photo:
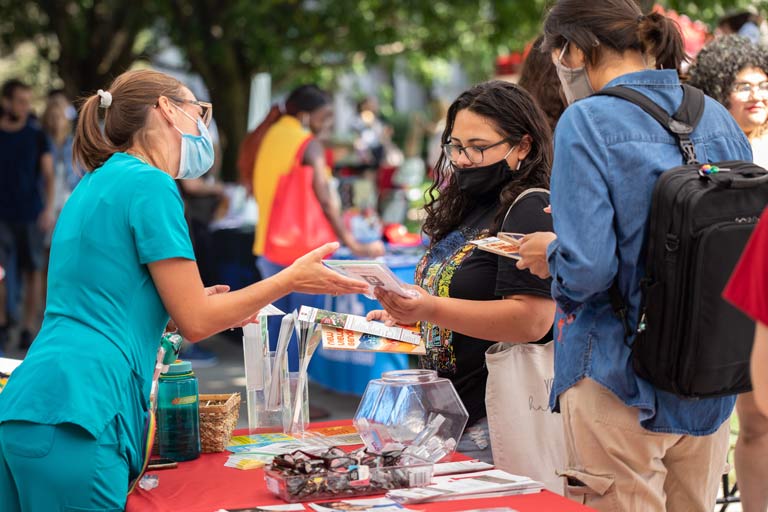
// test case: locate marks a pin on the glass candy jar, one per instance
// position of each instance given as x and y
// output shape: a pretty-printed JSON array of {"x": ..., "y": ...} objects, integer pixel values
[{"x": 413, "y": 410}]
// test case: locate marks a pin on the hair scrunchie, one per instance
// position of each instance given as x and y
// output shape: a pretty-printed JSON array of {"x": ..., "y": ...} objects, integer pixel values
[{"x": 106, "y": 98}]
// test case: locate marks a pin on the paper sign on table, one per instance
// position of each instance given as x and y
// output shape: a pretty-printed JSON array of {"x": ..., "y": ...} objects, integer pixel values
[
  {"x": 344, "y": 440},
  {"x": 246, "y": 443},
  {"x": 248, "y": 461},
  {"x": 335, "y": 431}
]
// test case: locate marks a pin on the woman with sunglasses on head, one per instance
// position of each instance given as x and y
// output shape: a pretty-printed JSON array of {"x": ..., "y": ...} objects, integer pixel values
[
  {"x": 732, "y": 70},
  {"x": 74, "y": 414},
  {"x": 631, "y": 446},
  {"x": 496, "y": 146}
]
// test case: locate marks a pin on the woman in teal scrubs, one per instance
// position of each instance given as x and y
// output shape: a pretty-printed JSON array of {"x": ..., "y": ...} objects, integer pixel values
[{"x": 73, "y": 415}]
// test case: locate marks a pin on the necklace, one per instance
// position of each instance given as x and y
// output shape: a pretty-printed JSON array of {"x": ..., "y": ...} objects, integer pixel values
[{"x": 143, "y": 160}]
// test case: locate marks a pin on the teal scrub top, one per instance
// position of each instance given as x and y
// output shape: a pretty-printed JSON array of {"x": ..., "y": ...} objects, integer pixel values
[{"x": 94, "y": 357}]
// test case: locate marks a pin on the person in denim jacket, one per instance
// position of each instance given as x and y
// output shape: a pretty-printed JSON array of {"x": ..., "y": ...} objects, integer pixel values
[{"x": 630, "y": 446}]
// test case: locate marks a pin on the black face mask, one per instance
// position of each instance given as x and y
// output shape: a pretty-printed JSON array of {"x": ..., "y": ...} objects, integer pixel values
[{"x": 483, "y": 181}]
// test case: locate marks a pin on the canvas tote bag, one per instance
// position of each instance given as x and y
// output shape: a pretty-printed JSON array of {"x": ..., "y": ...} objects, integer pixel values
[{"x": 526, "y": 437}]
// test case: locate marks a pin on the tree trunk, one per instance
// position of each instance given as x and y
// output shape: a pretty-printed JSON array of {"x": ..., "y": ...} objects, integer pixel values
[{"x": 230, "y": 99}]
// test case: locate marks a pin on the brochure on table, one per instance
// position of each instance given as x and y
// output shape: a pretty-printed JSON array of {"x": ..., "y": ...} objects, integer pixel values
[{"x": 481, "y": 484}]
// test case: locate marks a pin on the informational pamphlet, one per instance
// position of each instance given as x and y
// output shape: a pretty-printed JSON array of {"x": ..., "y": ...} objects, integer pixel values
[
  {"x": 375, "y": 273},
  {"x": 291, "y": 507},
  {"x": 464, "y": 466},
  {"x": 335, "y": 338},
  {"x": 481, "y": 484},
  {"x": 513, "y": 238},
  {"x": 498, "y": 246},
  {"x": 360, "y": 324},
  {"x": 364, "y": 505},
  {"x": 270, "y": 310}
]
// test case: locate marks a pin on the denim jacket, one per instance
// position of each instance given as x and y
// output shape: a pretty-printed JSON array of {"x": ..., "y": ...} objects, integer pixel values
[{"x": 608, "y": 156}]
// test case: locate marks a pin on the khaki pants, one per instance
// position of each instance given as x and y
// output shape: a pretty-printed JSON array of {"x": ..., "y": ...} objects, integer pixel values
[{"x": 614, "y": 464}]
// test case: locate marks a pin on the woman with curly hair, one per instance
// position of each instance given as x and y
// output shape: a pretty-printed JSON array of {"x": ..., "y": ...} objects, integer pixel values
[
  {"x": 733, "y": 70},
  {"x": 496, "y": 146}
]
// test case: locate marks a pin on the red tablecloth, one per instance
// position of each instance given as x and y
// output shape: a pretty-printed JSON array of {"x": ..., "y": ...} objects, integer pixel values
[{"x": 206, "y": 485}]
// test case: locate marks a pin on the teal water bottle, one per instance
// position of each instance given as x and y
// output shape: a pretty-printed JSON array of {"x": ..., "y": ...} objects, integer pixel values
[{"x": 178, "y": 419}]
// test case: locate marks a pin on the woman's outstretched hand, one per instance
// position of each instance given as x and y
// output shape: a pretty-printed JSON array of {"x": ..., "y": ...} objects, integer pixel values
[{"x": 308, "y": 275}]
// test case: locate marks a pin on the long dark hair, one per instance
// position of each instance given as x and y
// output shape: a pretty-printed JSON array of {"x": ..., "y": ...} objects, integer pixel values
[
  {"x": 616, "y": 24},
  {"x": 539, "y": 77},
  {"x": 305, "y": 98},
  {"x": 514, "y": 114}
]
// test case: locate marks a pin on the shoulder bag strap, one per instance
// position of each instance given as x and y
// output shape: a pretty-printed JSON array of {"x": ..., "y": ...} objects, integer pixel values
[{"x": 519, "y": 197}]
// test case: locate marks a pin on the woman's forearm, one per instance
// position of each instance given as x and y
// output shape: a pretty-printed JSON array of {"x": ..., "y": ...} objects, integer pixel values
[
  {"x": 759, "y": 367},
  {"x": 198, "y": 315},
  {"x": 518, "y": 319}
]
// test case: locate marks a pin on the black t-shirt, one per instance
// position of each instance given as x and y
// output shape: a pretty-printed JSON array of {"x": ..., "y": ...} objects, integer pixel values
[
  {"x": 455, "y": 268},
  {"x": 21, "y": 197}
]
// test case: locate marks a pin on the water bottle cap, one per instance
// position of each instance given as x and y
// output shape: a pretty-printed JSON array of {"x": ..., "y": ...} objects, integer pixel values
[{"x": 179, "y": 367}]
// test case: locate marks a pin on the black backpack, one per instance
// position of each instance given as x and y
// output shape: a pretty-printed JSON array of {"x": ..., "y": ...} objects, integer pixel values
[{"x": 688, "y": 340}]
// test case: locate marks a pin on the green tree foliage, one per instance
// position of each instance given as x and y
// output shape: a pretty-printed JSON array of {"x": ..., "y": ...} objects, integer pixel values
[
  {"x": 298, "y": 40},
  {"x": 88, "y": 42}
]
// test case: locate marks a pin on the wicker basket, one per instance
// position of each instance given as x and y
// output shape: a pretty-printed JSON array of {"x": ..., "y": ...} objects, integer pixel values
[{"x": 218, "y": 417}]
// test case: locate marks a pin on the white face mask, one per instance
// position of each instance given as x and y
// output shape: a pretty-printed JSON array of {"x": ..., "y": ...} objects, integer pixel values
[{"x": 575, "y": 81}]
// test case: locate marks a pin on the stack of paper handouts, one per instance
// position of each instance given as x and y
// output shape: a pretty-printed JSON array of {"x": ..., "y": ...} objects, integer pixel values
[
  {"x": 480, "y": 484},
  {"x": 257, "y": 450}
]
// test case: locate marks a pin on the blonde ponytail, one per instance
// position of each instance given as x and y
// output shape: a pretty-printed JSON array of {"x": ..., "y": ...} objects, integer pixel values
[
  {"x": 90, "y": 148},
  {"x": 126, "y": 105}
]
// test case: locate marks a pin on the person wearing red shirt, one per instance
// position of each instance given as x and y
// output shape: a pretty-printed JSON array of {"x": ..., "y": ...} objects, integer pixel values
[{"x": 748, "y": 291}]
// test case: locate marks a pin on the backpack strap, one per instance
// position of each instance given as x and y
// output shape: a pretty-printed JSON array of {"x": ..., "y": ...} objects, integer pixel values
[{"x": 681, "y": 124}]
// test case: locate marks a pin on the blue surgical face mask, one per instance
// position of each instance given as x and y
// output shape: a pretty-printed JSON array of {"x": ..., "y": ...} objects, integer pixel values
[{"x": 196, "y": 151}]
